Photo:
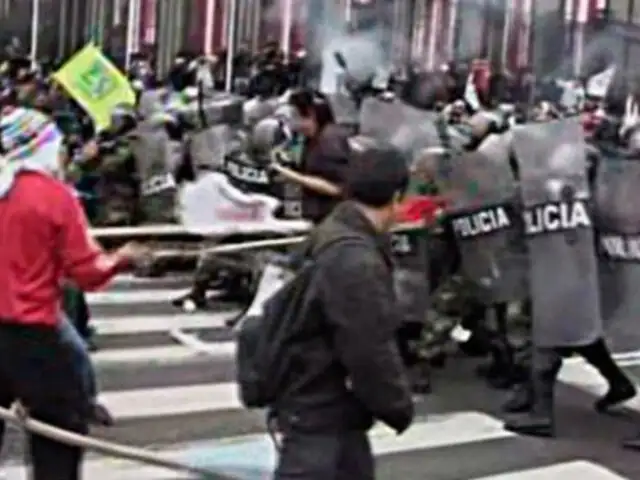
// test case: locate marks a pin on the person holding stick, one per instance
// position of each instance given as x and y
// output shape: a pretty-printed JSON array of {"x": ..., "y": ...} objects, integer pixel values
[{"x": 45, "y": 242}]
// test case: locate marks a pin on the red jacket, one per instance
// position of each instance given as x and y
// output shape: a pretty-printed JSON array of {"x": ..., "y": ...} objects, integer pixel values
[{"x": 45, "y": 240}]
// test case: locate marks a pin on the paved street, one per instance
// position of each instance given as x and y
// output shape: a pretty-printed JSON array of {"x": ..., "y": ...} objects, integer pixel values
[{"x": 179, "y": 400}]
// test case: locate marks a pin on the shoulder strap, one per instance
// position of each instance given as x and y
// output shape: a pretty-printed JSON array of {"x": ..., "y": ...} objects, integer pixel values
[
  {"x": 337, "y": 241},
  {"x": 305, "y": 255}
]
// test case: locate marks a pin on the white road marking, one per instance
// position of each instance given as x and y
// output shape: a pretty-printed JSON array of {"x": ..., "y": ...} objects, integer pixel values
[
  {"x": 161, "y": 355},
  {"x": 580, "y": 469},
  {"x": 141, "y": 324}
]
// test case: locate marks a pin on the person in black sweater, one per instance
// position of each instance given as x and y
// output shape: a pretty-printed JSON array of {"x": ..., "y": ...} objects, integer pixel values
[{"x": 320, "y": 175}]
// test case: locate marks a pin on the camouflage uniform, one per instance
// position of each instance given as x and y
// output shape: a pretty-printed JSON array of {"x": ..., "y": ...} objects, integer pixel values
[{"x": 118, "y": 186}]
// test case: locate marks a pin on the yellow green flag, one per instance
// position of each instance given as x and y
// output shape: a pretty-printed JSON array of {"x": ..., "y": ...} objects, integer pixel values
[{"x": 96, "y": 84}]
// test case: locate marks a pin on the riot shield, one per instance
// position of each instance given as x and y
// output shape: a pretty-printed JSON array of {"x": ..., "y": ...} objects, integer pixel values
[
  {"x": 151, "y": 102},
  {"x": 344, "y": 110},
  {"x": 212, "y": 129},
  {"x": 411, "y": 279},
  {"x": 399, "y": 124},
  {"x": 157, "y": 158},
  {"x": 559, "y": 232},
  {"x": 617, "y": 219},
  {"x": 256, "y": 109},
  {"x": 208, "y": 147},
  {"x": 221, "y": 109},
  {"x": 481, "y": 189}
]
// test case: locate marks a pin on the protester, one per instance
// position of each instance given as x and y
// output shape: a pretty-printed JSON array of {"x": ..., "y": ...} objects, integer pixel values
[
  {"x": 324, "y": 159},
  {"x": 44, "y": 240},
  {"x": 345, "y": 380}
]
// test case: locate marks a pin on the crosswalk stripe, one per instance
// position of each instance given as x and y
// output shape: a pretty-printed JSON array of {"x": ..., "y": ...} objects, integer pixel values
[
  {"x": 141, "y": 324},
  {"x": 579, "y": 469},
  {"x": 182, "y": 400},
  {"x": 583, "y": 376},
  {"x": 127, "y": 279},
  {"x": 160, "y": 355},
  {"x": 129, "y": 298}
]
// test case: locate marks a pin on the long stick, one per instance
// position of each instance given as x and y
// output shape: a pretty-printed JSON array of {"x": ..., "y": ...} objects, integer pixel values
[
  {"x": 102, "y": 446},
  {"x": 235, "y": 247}
]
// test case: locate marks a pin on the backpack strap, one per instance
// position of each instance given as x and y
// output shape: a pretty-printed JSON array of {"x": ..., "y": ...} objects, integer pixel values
[{"x": 305, "y": 254}]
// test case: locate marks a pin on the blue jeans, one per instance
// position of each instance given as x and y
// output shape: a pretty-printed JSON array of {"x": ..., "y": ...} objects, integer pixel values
[{"x": 81, "y": 358}]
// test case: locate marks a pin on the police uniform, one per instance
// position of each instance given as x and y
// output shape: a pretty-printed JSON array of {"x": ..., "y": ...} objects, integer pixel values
[{"x": 118, "y": 184}]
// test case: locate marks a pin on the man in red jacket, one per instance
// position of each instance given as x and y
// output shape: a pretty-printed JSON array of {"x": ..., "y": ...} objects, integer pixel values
[{"x": 44, "y": 241}]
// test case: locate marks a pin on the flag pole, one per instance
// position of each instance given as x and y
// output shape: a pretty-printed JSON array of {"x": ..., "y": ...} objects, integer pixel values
[{"x": 35, "y": 24}]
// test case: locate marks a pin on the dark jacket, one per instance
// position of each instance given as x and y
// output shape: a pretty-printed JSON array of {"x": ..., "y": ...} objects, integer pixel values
[
  {"x": 347, "y": 369},
  {"x": 326, "y": 157}
]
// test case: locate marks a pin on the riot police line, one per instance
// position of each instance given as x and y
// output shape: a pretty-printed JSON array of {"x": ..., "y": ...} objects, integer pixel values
[{"x": 544, "y": 216}]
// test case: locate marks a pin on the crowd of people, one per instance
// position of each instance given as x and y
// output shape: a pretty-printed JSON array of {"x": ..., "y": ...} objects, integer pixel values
[{"x": 350, "y": 195}]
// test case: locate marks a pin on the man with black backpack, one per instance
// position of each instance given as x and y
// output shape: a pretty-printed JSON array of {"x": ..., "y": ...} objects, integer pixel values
[{"x": 323, "y": 356}]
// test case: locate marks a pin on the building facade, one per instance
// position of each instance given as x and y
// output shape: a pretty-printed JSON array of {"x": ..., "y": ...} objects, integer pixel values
[{"x": 549, "y": 36}]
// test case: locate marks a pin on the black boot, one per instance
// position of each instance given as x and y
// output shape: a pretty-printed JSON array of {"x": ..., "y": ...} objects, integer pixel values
[
  {"x": 539, "y": 421},
  {"x": 100, "y": 415},
  {"x": 502, "y": 351},
  {"x": 621, "y": 388},
  {"x": 520, "y": 399}
]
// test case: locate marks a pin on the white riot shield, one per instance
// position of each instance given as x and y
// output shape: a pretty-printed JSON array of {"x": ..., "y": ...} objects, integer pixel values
[
  {"x": 151, "y": 102},
  {"x": 485, "y": 220},
  {"x": 256, "y": 109},
  {"x": 344, "y": 110},
  {"x": 209, "y": 146},
  {"x": 221, "y": 109},
  {"x": 214, "y": 124},
  {"x": 618, "y": 224},
  {"x": 559, "y": 231},
  {"x": 399, "y": 124},
  {"x": 157, "y": 158}
]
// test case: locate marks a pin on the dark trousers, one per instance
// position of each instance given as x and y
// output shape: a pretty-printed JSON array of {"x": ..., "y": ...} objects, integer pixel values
[
  {"x": 336, "y": 456},
  {"x": 39, "y": 368},
  {"x": 598, "y": 356}
]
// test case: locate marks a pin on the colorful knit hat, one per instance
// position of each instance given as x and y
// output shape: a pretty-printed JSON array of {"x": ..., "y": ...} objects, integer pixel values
[{"x": 29, "y": 141}]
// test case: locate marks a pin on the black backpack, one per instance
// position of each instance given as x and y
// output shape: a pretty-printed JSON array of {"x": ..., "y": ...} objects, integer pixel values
[{"x": 262, "y": 357}]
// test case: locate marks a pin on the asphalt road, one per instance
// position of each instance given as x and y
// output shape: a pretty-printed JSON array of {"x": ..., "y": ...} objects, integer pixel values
[{"x": 181, "y": 400}]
